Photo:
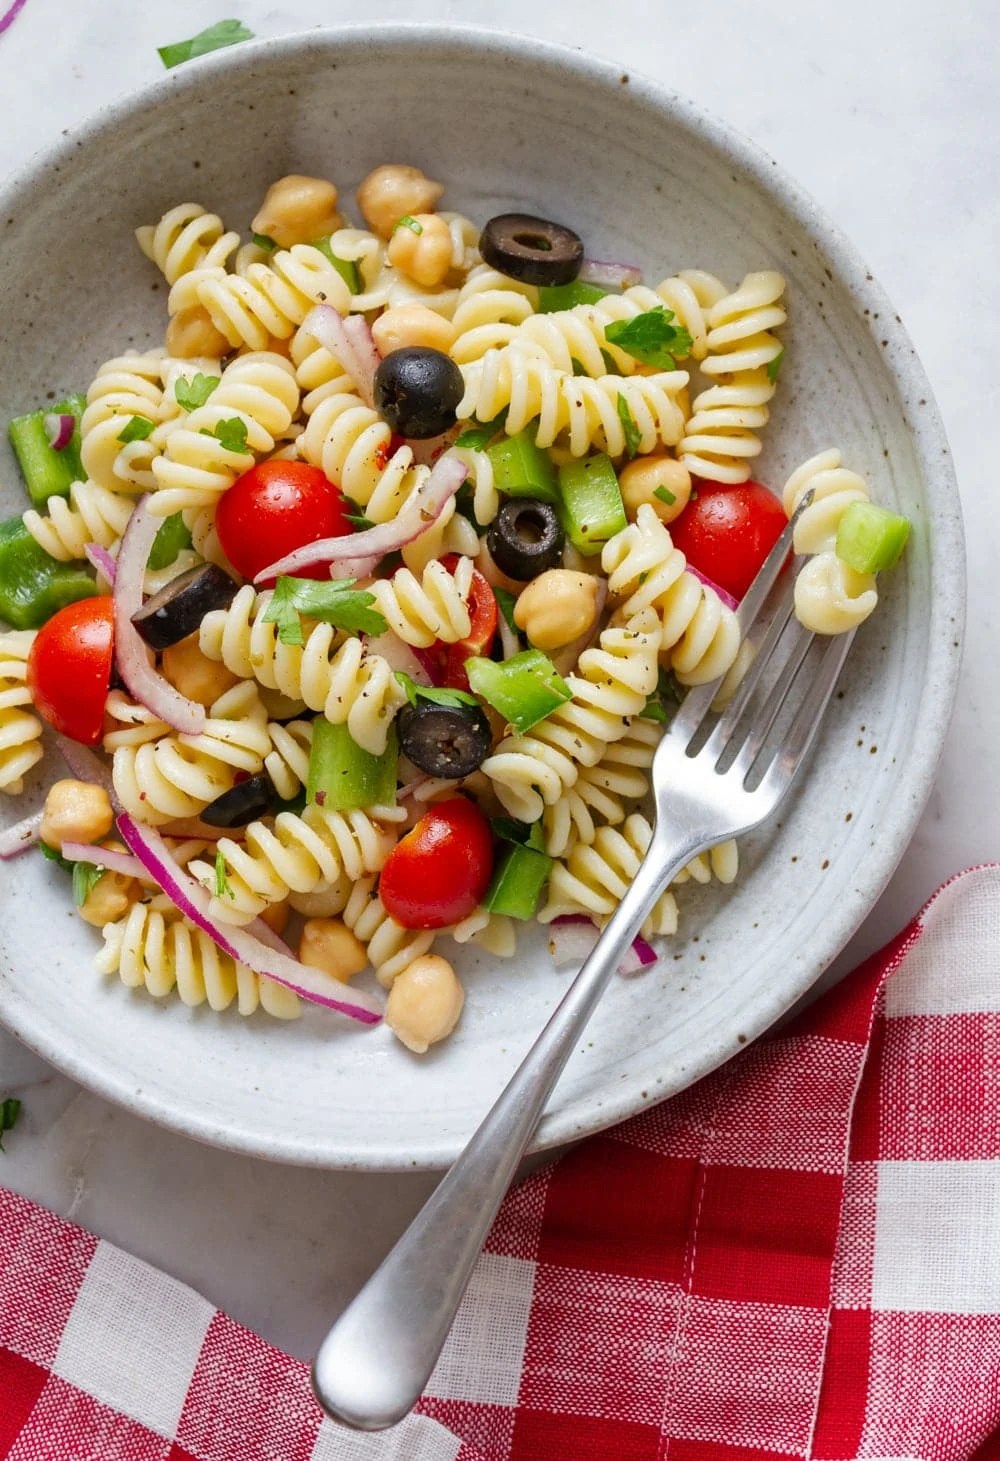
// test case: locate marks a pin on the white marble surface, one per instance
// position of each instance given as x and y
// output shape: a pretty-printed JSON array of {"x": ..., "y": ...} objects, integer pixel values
[{"x": 888, "y": 113}]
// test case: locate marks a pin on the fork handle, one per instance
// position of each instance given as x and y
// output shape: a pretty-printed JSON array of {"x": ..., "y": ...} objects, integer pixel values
[{"x": 376, "y": 1360}]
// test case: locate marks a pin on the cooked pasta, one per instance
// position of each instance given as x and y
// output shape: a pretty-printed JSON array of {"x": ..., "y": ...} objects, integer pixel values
[
  {"x": 352, "y": 444},
  {"x": 269, "y": 300},
  {"x": 92, "y": 514},
  {"x": 163, "y": 953},
  {"x": 391, "y": 947},
  {"x": 127, "y": 386},
  {"x": 185, "y": 238},
  {"x": 20, "y": 731},
  {"x": 602, "y": 791},
  {"x": 699, "y": 636},
  {"x": 830, "y": 597},
  {"x": 594, "y": 878},
  {"x": 287, "y": 762},
  {"x": 343, "y": 680},
  {"x": 489, "y": 309},
  {"x": 432, "y": 607}
]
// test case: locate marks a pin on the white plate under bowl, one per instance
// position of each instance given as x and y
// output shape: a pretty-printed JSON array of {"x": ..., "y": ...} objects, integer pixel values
[{"x": 641, "y": 174}]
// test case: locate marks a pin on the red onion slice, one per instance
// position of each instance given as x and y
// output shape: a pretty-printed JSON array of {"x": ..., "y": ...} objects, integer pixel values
[
  {"x": 59, "y": 428},
  {"x": 20, "y": 837},
  {"x": 239, "y": 943},
  {"x": 85, "y": 766},
  {"x": 421, "y": 509},
  {"x": 329, "y": 328},
  {"x": 131, "y": 655},
  {"x": 609, "y": 275},
  {"x": 359, "y": 337},
  {"x": 399, "y": 656},
  {"x": 722, "y": 593},
  {"x": 115, "y": 862},
  {"x": 102, "y": 560},
  {"x": 572, "y": 937}
]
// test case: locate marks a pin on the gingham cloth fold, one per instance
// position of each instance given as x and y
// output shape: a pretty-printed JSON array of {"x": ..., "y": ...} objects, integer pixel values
[{"x": 799, "y": 1257}]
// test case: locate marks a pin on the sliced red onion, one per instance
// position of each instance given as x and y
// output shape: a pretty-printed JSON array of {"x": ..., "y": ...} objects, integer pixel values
[
  {"x": 115, "y": 862},
  {"x": 329, "y": 328},
  {"x": 572, "y": 938},
  {"x": 20, "y": 837},
  {"x": 609, "y": 275},
  {"x": 723, "y": 594},
  {"x": 358, "y": 333},
  {"x": 421, "y": 509},
  {"x": 59, "y": 428},
  {"x": 241, "y": 944},
  {"x": 131, "y": 654},
  {"x": 509, "y": 642},
  {"x": 85, "y": 766},
  {"x": 399, "y": 656},
  {"x": 102, "y": 560}
]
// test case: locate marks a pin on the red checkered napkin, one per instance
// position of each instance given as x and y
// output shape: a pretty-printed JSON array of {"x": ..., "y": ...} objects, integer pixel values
[{"x": 797, "y": 1258}]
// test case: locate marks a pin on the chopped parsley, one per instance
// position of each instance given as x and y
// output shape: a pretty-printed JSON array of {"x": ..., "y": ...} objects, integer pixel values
[
  {"x": 231, "y": 434},
  {"x": 54, "y": 855},
  {"x": 633, "y": 436},
  {"x": 415, "y": 692},
  {"x": 408, "y": 221},
  {"x": 222, "y": 888},
  {"x": 189, "y": 394},
  {"x": 223, "y": 33},
  {"x": 668, "y": 688},
  {"x": 86, "y": 876},
  {"x": 478, "y": 438},
  {"x": 665, "y": 495},
  {"x": 10, "y": 1110},
  {"x": 337, "y": 603},
  {"x": 263, "y": 241},
  {"x": 653, "y": 709},
  {"x": 505, "y": 603},
  {"x": 651, "y": 338},
  {"x": 774, "y": 366},
  {"x": 137, "y": 428}
]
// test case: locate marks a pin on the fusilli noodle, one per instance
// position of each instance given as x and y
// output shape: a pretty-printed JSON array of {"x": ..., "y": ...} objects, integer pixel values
[
  {"x": 434, "y": 606},
  {"x": 830, "y": 597},
  {"x": 601, "y": 791},
  {"x": 20, "y": 731},
  {"x": 269, "y": 300},
  {"x": 91, "y": 515},
  {"x": 127, "y": 386},
  {"x": 186, "y": 238},
  {"x": 391, "y": 947},
  {"x": 594, "y": 878}
]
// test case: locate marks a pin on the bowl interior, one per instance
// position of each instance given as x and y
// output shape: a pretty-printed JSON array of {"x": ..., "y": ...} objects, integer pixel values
[{"x": 642, "y": 176}]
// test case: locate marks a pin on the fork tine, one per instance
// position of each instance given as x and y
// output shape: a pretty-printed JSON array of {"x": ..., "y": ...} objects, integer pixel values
[
  {"x": 730, "y": 716},
  {"x": 797, "y": 649},
  {"x": 807, "y": 719}
]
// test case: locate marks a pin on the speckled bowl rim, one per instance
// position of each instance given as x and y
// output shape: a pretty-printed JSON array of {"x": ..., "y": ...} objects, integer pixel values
[{"x": 946, "y": 610}]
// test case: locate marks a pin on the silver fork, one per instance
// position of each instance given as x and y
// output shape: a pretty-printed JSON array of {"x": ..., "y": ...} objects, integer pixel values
[{"x": 714, "y": 776}]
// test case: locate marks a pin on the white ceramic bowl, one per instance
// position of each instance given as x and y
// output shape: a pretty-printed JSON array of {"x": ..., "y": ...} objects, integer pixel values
[{"x": 641, "y": 174}]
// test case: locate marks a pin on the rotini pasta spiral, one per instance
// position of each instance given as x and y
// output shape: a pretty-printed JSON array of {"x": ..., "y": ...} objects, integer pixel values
[
  {"x": 830, "y": 597},
  {"x": 391, "y": 947},
  {"x": 270, "y": 300},
  {"x": 195, "y": 468},
  {"x": 287, "y": 763},
  {"x": 700, "y": 637},
  {"x": 91, "y": 515},
  {"x": 611, "y": 684},
  {"x": 586, "y": 412},
  {"x": 595, "y": 877},
  {"x": 127, "y": 386},
  {"x": 178, "y": 775},
  {"x": 451, "y": 532},
  {"x": 601, "y": 791},
  {"x": 720, "y": 437},
  {"x": 490, "y": 308},
  {"x": 20, "y": 731},
  {"x": 344, "y": 681},
  {"x": 491, "y": 931},
  {"x": 434, "y": 606},
  {"x": 353, "y": 445},
  {"x": 186, "y": 238},
  {"x": 162, "y": 952},
  {"x": 318, "y": 373},
  {"x": 298, "y": 854}
]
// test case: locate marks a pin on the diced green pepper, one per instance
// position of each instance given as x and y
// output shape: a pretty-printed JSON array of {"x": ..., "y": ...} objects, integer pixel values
[
  {"x": 517, "y": 882},
  {"x": 524, "y": 689},
  {"x": 47, "y": 472},
  {"x": 171, "y": 538},
  {"x": 33, "y": 585},
  {"x": 591, "y": 510},
  {"x": 870, "y": 538},
  {"x": 342, "y": 775},
  {"x": 554, "y": 297},
  {"x": 347, "y": 269},
  {"x": 522, "y": 469}
]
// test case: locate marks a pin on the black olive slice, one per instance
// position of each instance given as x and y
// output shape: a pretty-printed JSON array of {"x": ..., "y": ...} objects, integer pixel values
[
  {"x": 532, "y": 250},
  {"x": 444, "y": 740},
  {"x": 178, "y": 609},
  {"x": 242, "y": 803},
  {"x": 525, "y": 538},
  {"x": 417, "y": 390}
]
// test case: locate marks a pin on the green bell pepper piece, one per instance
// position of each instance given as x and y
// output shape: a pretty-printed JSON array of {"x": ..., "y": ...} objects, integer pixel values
[
  {"x": 517, "y": 882},
  {"x": 347, "y": 269},
  {"x": 870, "y": 538},
  {"x": 591, "y": 510},
  {"x": 47, "y": 472},
  {"x": 522, "y": 469},
  {"x": 554, "y": 297},
  {"x": 34, "y": 586},
  {"x": 524, "y": 689},
  {"x": 343, "y": 776}
]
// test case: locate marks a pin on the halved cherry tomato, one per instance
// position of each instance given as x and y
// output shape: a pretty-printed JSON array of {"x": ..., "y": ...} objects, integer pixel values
[
  {"x": 275, "y": 508},
  {"x": 440, "y": 871},
  {"x": 479, "y": 640},
  {"x": 69, "y": 668},
  {"x": 727, "y": 532}
]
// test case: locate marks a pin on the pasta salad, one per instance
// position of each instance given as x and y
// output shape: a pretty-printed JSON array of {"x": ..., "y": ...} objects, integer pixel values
[{"x": 358, "y": 606}]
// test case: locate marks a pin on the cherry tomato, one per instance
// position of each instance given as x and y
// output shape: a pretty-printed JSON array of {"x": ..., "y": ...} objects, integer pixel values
[
  {"x": 69, "y": 668},
  {"x": 440, "y": 871},
  {"x": 275, "y": 508},
  {"x": 479, "y": 640},
  {"x": 727, "y": 532}
]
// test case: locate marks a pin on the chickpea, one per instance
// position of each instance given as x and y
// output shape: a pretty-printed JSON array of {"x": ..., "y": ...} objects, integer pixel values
[
  {"x": 191, "y": 333},
  {"x": 642, "y": 479},
  {"x": 557, "y": 607},
  {"x": 421, "y": 248},
  {"x": 194, "y": 674},
  {"x": 424, "y": 1003},
  {"x": 298, "y": 209},
  {"x": 109, "y": 899},
  {"x": 75, "y": 811},
  {"x": 391, "y": 192},
  {"x": 276, "y": 916},
  {"x": 328, "y": 944},
  {"x": 413, "y": 324}
]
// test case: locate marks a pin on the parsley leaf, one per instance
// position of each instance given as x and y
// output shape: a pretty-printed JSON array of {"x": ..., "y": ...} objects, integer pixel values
[
  {"x": 633, "y": 436},
  {"x": 651, "y": 338},
  {"x": 337, "y": 603},
  {"x": 668, "y": 688},
  {"x": 522, "y": 834},
  {"x": 478, "y": 438},
  {"x": 263, "y": 241},
  {"x": 415, "y": 692},
  {"x": 774, "y": 366},
  {"x": 231, "y": 434},
  {"x": 136, "y": 429},
  {"x": 505, "y": 603},
  {"x": 222, "y": 888},
  {"x": 653, "y": 709},
  {"x": 189, "y": 394},
  {"x": 54, "y": 855},
  {"x": 86, "y": 876},
  {"x": 665, "y": 495},
  {"x": 356, "y": 515},
  {"x": 10, "y": 1110},
  {"x": 223, "y": 33},
  {"x": 408, "y": 221}
]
